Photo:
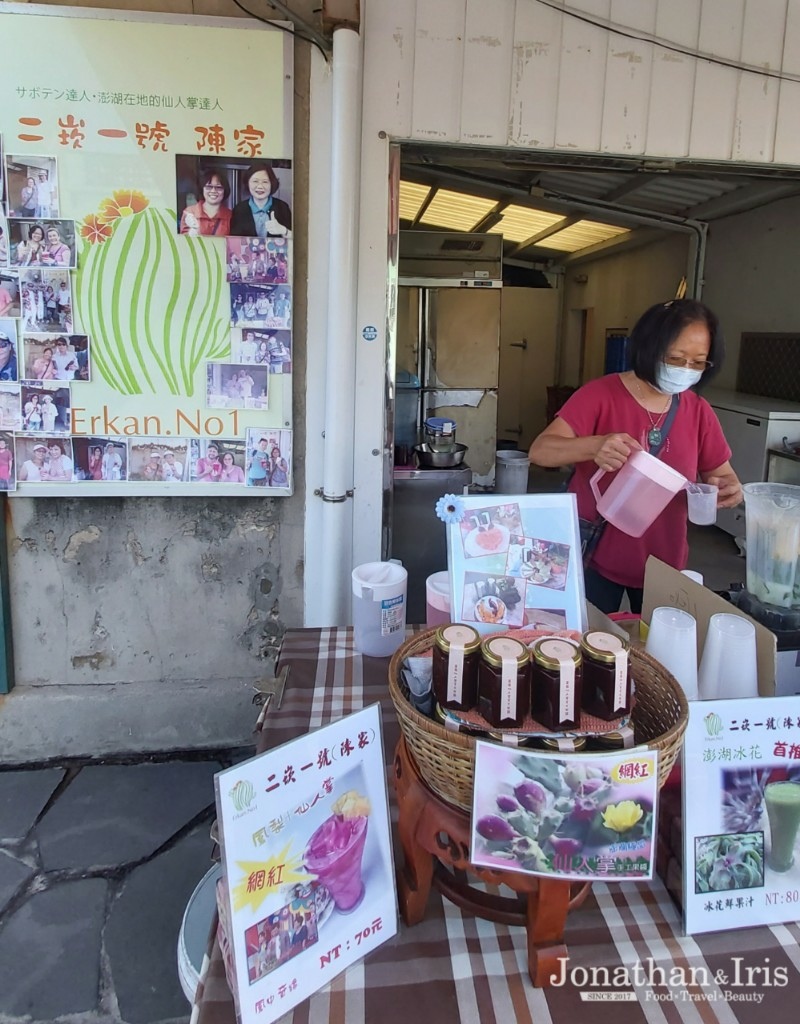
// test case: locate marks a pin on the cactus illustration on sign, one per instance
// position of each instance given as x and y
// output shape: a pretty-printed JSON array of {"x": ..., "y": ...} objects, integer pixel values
[{"x": 152, "y": 301}]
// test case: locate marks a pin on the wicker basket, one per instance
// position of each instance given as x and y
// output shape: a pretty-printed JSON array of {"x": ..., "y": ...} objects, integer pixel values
[{"x": 446, "y": 759}]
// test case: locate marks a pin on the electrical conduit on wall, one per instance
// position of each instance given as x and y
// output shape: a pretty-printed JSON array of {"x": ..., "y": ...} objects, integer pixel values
[{"x": 332, "y": 576}]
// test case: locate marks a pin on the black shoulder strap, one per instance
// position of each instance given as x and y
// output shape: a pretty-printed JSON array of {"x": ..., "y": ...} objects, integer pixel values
[{"x": 673, "y": 412}]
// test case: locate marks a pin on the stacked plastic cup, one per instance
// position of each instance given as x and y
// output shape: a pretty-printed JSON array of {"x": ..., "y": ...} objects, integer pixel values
[
  {"x": 672, "y": 640},
  {"x": 728, "y": 666},
  {"x": 437, "y": 599}
]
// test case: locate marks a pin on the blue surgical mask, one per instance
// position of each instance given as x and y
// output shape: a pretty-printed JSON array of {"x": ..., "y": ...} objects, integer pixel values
[{"x": 671, "y": 380}]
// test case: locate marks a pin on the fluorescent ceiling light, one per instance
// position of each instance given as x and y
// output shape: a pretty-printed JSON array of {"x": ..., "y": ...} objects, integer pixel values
[
  {"x": 459, "y": 211},
  {"x": 412, "y": 196},
  {"x": 581, "y": 236},
  {"x": 456, "y": 211},
  {"x": 521, "y": 222}
]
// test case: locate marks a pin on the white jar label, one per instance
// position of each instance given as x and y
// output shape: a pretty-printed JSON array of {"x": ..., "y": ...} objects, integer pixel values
[
  {"x": 620, "y": 679},
  {"x": 508, "y": 688},
  {"x": 455, "y": 672},
  {"x": 566, "y": 690}
]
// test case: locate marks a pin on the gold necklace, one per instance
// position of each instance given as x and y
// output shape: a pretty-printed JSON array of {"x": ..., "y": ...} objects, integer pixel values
[{"x": 654, "y": 435}]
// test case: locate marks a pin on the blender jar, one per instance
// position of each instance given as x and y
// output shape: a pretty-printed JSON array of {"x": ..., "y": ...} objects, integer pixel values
[{"x": 772, "y": 517}]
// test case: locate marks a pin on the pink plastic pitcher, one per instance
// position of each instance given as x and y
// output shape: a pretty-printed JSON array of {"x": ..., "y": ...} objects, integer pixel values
[{"x": 638, "y": 494}]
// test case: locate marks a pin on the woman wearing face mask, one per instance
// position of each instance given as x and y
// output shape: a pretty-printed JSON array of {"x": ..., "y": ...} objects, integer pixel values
[{"x": 676, "y": 347}]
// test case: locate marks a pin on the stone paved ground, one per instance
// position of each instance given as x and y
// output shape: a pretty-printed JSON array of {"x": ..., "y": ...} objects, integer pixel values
[{"x": 97, "y": 864}]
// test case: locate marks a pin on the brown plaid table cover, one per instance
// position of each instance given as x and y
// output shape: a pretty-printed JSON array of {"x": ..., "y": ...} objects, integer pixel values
[{"x": 457, "y": 968}]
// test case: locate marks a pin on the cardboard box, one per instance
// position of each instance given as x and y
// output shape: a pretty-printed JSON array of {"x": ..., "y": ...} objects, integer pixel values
[
  {"x": 596, "y": 619},
  {"x": 664, "y": 585}
]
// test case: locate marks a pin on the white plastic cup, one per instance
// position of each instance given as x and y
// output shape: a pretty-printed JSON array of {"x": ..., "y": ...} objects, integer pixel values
[
  {"x": 379, "y": 608},
  {"x": 437, "y": 599},
  {"x": 672, "y": 640},
  {"x": 728, "y": 667},
  {"x": 692, "y": 575},
  {"x": 511, "y": 472},
  {"x": 701, "y": 500}
]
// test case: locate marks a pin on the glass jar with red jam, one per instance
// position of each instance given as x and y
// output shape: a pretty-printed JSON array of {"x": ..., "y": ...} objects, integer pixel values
[
  {"x": 606, "y": 675},
  {"x": 504, "y": 682},
  {"x": 556, "y": 683},
  {"x": 456, "y": 653}
]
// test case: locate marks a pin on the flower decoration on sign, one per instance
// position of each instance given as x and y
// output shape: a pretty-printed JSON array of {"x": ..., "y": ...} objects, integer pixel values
[
  {"x": 94, "y": 230},
  {"x": 123, "y": 204},
  {"x": 450, "y": 508}
]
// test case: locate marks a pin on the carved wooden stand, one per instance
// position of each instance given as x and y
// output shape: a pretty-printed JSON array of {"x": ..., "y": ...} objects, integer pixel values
[{"x": 435, "y": 838}]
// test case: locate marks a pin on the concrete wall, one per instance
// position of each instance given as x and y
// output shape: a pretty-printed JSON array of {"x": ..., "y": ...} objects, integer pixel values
[
  {"x": 147, "y": 590},
  {"x": 529, "y": 315},
  {"x": 617, "y": 290},
  {"x": 751, "y": 275},
  {"x": 159, "y": 593}
]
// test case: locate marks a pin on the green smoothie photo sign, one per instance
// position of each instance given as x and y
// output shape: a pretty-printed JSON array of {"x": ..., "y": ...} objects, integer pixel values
[{"x": 741, "y": 813}]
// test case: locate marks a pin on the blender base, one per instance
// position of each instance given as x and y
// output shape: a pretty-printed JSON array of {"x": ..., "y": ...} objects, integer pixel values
[{"x": 785, "y": 624}]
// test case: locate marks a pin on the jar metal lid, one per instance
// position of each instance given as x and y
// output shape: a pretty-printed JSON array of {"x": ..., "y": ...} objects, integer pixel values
[
  {"x": 551, "y": 653},
  {"x": 568, "y": 744},
  {"x": 612, "y": 740},
  {"x": 496, "y": 648},
  {"x": 456, "y": 633},
  {"x": 603, "y": 646}
]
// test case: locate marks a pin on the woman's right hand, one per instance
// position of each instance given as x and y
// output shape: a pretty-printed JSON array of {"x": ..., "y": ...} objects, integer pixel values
[{"x": 614, "y": 450}]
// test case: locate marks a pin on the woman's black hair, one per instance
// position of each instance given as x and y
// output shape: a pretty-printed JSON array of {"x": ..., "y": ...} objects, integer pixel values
[
  {"x": 33, "y": 227},
  {"x": 274, "y": 184},
  {"x": 205, "y": 176},
  {"x": 658, "y": 327}
]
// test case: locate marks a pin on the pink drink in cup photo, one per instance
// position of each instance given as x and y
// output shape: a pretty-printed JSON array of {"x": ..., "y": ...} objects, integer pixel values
[{"x": 334, "y": 852}]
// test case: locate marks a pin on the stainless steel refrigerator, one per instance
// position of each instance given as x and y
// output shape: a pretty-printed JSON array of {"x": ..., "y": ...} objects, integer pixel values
[{"x": 448, "y": 336}]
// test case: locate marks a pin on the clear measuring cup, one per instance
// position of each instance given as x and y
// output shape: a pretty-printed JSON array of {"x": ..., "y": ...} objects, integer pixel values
[
  {"x": 701, "y": 501},
  {"x": 772, "y": 519}
]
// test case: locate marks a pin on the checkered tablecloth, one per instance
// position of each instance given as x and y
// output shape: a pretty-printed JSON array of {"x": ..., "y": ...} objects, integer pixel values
[{"x": 457, "y": 969}]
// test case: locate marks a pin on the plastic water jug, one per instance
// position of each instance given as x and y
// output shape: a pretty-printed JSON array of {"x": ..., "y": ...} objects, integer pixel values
[
  {"x": 379, "y": 608},
  {"x": 638, "y": 494}
]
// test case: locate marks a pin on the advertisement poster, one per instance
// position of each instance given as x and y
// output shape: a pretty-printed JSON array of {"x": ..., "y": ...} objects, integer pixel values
[
  {"x": 587, "y": 817},
  {"x": 741, "y": 813},
  {"x": 514, "y": 562},
  {"x": 307, "y": 857},
  {"x": 148, "y": 229}
]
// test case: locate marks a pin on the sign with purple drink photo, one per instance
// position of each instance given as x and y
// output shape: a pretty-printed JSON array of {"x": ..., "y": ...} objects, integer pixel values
[{"x": 307, "y": 858}]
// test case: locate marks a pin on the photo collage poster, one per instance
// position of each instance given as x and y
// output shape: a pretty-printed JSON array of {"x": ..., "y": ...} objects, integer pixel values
[
  {"x": 515, "y": 561},
  {"x": 146, "y": 309}
]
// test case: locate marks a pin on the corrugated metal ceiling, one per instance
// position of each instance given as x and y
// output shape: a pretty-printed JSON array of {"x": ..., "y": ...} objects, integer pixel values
[{"x": 524, "y": 195}]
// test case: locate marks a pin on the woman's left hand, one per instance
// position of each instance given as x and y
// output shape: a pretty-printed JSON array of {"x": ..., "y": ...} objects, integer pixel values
[{"x": 730, "y": 490}]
